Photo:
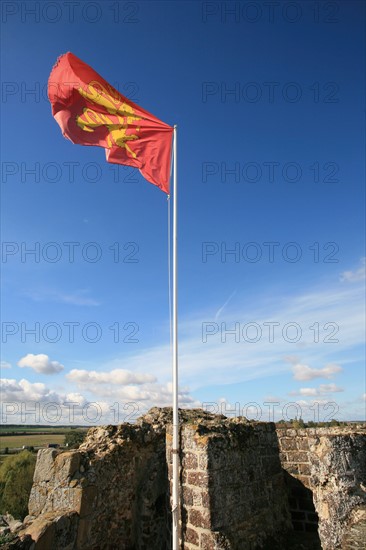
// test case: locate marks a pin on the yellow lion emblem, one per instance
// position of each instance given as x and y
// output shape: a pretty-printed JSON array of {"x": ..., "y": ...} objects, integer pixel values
[{"x": 120, "y": 115}]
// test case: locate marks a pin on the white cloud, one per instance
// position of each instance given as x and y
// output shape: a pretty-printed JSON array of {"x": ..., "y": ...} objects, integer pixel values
[
  {"x": 117, "y": 376},
  {"x": 323, "y": 389},
  {"x": 26, "y": 392},
  {"x": 356, "y": 275},
  {"x": 27, "y": 402},
  {"x": 75, "y": 398},
  {"x": 308, "y": 391},
  {"x": 329, "y": 388},
  {"x": 40, "y": 363},
  {"x": 5, "y": 365},
  {"x": 10, "y": 385},
  {"x": 120, "y": 385},
  {"x": 304, "y": 372}
]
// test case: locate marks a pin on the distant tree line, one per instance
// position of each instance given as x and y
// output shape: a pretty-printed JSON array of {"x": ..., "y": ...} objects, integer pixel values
[
  {"x": 74, "y": 438},
  {"x": 299, "y": 423}
]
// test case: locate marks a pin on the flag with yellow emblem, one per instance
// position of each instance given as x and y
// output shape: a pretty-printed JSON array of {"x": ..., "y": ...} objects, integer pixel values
[{"x": 90, "y": 111}]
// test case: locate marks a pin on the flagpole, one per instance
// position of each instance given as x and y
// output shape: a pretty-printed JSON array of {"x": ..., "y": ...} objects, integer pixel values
[{"x": 175, "y": 449}]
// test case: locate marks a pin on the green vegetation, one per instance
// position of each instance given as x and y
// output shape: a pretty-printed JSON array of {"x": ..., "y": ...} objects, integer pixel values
[
  {"x": 74, "y": 438},
  {"x": 16, "y": 477},
  {"x": 298, "y": 423},
  {"x": 9, "y": 537},
  {"x": 11, "y": 429}
]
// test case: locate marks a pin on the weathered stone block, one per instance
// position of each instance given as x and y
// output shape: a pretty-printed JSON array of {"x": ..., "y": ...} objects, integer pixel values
[
  {"x": 200, "y": 479},
  {"x": 44, "y": 470},
  {"x": 66, "y": 465},
  {"x": 288, "y": 444},
  {"x": 202, "y": 461},
  {"x": 43, "y": 531},
  {"x": 205, "y": 496},
  {"x": 199, "y": 518},
  {"x": 305, "y": 469},
  {"x": 303, "y": 444},
  {"x": 53, "y": 530},
  {"x": 190, "y": 461},
  {"x": 207, "y": 542},
  {"x": 191, "y": 536},
  {"x": 187, "y": 496},
  {"x": 66, "y": 498},
  {"x": 38, "y": 497},
  {"x": 297, "y": 456},
  {"x": 292, "y": 468}
]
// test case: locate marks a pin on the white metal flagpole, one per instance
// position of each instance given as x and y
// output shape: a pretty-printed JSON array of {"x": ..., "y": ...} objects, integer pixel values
[{"x": 175, "y": 447}]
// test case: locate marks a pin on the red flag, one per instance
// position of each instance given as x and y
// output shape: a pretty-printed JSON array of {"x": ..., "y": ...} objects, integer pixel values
[{"x": 91, "y": 112}]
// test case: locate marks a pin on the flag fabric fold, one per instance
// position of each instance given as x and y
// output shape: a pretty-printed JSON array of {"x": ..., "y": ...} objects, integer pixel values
[{"x": 90, "y": 111}]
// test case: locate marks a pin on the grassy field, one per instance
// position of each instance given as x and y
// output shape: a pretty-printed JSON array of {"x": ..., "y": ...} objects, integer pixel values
[
  {"x": 14, "y": 437},
  {"x": 32, "y": 440},
  {"x": 11, "y": 428}
]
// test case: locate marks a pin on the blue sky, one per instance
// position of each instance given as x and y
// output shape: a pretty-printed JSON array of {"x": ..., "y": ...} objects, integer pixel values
[{"x": 269, "y": 103}]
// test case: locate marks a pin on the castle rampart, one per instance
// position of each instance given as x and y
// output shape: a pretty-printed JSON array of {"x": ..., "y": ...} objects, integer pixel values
[{"x": 245, "y": 486}]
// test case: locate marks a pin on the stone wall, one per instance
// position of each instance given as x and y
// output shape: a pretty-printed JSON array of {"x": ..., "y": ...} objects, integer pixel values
[
  {"x": 233, "y": 491},
  {"x": 116, "y": 485},
  {"x": 331, "y": 463},
  {"x": 242, "y": 484}
]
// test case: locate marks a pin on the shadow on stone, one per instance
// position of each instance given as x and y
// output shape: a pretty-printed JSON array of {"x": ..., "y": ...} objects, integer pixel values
[
  {"x": 303, "y": 515},
  {"x": 152, "y": 509},
  {"x": 247, "y": 495}
]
